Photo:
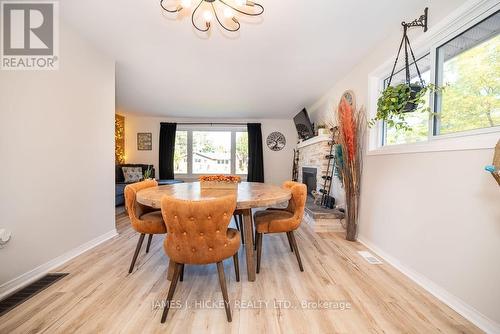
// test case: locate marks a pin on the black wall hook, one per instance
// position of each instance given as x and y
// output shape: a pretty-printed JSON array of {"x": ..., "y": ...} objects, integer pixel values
[{"x": 422, "y": 21}]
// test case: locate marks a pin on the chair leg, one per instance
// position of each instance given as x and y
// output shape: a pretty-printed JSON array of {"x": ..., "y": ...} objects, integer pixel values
[
  {"x": 239, "y": 219},
  {"x": 296, "y": 249},
  {"x": 253, "y": 236},
  {"x": 149, "y": 243},
  {"x": 236, "y": 221},
  {"x": 258, "y": 244},
  {"x": 223, "y": 287},
  {"x": 289, "y": 241},
  {"x": 255, "y": 240},
  {"x": 137, "y": 249},
  {"x": 236, "y": 266},
  {"x": 171, "y": 290},
  {"x": 181, "y": 275}
]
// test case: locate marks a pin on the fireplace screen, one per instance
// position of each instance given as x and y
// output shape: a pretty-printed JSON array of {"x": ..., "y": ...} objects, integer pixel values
[{"x": 309, "y": 179}]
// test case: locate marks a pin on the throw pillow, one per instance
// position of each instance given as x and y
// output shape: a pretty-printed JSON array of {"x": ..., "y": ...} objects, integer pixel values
[{"x": 132, "y": 174}]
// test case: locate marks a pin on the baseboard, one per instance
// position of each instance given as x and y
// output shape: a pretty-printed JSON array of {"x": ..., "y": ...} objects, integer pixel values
[
  {"x": 462, "y": 308},
  {"x": 32, "y": 275}
]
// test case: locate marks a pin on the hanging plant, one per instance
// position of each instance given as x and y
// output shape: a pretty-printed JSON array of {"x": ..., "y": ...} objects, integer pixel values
[{"x": 396, "y": 101}]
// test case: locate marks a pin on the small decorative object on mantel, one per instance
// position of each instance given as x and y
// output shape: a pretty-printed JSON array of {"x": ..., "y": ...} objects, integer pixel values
[
  {"x": 322, "y": 130},
  {"x": 219, "y": 181},
  {"x": 494, "y": 169},
  {"x": 352, "y": 126},
  {"x": 276, "y": 141},
  {"x": 144, "y": 141},
  {"x": 396, "y": 101}
]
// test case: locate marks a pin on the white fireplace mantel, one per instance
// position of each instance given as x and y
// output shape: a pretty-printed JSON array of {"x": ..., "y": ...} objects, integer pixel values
[{"x": 314, "y": 140}]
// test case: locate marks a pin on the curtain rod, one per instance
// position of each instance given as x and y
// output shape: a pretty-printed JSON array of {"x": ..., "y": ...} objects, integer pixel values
[{"x": 211, "y": 123}]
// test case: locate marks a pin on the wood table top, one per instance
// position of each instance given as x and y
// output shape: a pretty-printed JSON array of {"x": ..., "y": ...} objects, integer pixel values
[{"x": 250, "y": 194}]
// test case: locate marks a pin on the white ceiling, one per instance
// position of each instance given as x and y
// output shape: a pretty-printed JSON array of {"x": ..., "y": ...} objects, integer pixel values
[{"x": 269, "y": 69}]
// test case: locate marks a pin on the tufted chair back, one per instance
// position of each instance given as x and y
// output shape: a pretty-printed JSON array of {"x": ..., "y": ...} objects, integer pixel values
[
  {"x": 296, "y": 207},
  {"x": 135, "y": 209},
  {"x": 289, "y": 185},
  {"x": 297, "y": 203},
  {"x": 198, "y": 230}
]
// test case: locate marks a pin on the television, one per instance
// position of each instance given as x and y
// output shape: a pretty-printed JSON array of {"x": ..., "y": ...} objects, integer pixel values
[{"x": 305, "y": 128}]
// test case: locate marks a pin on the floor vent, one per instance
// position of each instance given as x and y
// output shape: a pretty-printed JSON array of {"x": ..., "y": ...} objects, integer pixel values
[
  {"x": 369, "y": 257},
  {"x": 29, "y": 291}
]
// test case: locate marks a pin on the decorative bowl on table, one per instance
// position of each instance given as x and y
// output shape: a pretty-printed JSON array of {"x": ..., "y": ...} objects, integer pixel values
[{"x": 219, "y": 181}]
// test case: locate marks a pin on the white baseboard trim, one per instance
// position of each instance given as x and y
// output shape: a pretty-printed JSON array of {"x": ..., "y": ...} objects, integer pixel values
[
  {"x": 462, "y": 308},
  {"x": 34, "y": 274}
]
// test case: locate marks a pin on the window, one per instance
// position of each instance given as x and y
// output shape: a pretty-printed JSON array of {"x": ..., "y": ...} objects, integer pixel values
[
  {"x": 214, "y": 149},
  {"x": 200, "y": 151},
  {"x": 469, "y": 65},
  {"x": 466, "y": 63},
  {"x": 418, "y": 120},
  {"x": 180, "y": 154},
  {"x": 241, "y": 152}
]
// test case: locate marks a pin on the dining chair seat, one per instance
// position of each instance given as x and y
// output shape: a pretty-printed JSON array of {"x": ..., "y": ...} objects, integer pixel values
[
  {"x": 152, "y": 223},
  {"x": 269, "y": 221}
]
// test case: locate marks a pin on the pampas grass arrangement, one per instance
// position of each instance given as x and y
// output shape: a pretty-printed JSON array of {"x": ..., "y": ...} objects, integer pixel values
[{"x": 351, "y": 137}]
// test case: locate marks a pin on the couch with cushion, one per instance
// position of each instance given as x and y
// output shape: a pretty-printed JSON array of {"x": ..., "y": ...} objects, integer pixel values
[{"x": 120, "y": 183}]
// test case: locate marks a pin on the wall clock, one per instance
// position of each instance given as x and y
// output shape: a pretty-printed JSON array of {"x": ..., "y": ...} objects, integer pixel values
[
  {"x": 276, "y": 141},
  {"x": 350, "y": 98}
]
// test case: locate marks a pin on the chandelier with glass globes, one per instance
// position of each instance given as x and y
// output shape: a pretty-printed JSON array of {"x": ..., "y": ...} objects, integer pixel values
[{"x": 203, "y": 12}]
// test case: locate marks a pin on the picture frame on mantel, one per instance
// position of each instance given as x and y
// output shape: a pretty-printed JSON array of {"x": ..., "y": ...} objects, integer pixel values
[{"x": 144, "y": 141}]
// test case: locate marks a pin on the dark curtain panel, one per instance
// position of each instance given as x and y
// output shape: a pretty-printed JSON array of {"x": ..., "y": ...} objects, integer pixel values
[
  {"x": 166, "y": 149},
  {"x": 255, "y": 153}
]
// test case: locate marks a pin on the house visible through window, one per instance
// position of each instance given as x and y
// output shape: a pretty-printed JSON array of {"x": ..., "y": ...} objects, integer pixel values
[{"x": 211, "y": 152}]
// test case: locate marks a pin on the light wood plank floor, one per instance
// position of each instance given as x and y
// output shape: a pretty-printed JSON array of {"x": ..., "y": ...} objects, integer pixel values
[{"x": 99, "y": 296}]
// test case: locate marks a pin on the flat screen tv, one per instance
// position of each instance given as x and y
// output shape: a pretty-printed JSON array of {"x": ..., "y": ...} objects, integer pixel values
[{"x": 305, "y": 128}]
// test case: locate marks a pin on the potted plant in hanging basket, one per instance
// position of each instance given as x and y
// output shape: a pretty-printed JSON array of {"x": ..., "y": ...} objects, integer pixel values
[{"x": 398, "y": 100}]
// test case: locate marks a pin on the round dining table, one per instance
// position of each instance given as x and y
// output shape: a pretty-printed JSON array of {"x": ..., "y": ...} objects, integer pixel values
[{"x": 249, "y": 195}]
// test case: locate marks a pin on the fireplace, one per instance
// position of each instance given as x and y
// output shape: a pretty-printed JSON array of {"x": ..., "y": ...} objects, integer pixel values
[{"x": 309, "y": 179}]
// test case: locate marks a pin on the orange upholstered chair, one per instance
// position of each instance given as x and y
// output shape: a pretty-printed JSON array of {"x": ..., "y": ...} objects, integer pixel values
[
  {"x": 282, "y": 220},
  {"x": 198, "y": 233},
  {"x": 144, "y": 220}
]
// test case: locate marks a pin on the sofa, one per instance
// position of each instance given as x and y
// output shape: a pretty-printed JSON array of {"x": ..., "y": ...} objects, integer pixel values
[{"x": 120, "y": 180}]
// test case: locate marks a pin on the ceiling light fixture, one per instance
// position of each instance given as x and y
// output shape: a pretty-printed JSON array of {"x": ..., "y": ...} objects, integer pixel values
[{"x": 226, "y": 12}]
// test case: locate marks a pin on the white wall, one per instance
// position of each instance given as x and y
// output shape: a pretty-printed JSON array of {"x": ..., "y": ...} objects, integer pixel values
[
  {"x": 57, "y": 156},
  {"x": 435, "y": 214},
  {"x": 277, "y": 165}
]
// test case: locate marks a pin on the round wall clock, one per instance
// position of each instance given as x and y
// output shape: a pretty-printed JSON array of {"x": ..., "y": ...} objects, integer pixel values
[
  {"x": 276, "y": 141},
  {"x": 350, "y": 98}
]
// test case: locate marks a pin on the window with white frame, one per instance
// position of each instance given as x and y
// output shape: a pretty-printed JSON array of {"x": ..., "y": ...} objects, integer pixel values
[
  {"x": 467, "y": 65},
  {"x": 211, "y": 151}
]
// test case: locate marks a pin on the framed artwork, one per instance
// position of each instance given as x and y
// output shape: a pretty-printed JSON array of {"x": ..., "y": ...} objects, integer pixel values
[{"x": 144, "y": 141}]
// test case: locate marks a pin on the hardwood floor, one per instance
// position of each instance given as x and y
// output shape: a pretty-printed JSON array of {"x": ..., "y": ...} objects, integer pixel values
[{"x": 99, "y": 296}]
